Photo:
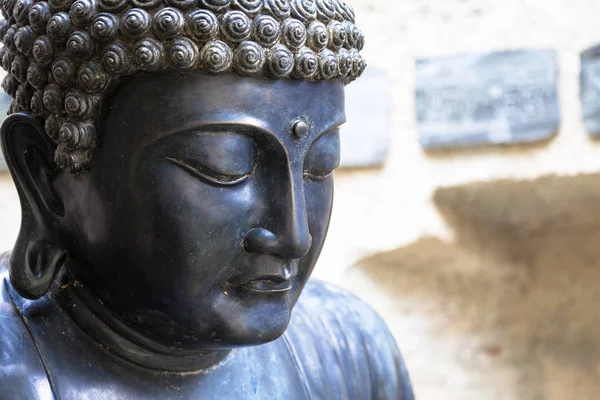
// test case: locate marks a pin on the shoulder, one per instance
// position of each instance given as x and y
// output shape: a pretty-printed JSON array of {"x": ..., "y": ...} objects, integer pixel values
[
  {"x": 350, "y": 336},
  {"x": 22, "y": 372}
]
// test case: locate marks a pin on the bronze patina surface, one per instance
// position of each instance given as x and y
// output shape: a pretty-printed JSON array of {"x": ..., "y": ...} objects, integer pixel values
[{"x": 169, "y": 232}]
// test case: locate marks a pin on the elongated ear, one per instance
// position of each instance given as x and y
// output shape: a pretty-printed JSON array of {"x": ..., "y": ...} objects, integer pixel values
[{"x": 37, "y": 255}]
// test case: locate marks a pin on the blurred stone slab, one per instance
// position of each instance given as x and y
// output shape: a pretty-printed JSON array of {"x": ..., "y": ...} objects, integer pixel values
[
  {"x": 365, "y": 137},
  {"x": 487, "y": 98},
  {"x": 4, "y": 103},
  {"x": 590, "y": 90}
]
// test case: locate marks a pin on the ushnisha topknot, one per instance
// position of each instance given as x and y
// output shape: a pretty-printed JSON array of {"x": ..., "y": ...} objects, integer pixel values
[{"x": 63, "y": 56}]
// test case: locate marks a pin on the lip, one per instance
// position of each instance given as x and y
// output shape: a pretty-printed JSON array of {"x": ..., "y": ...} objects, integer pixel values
[
  {"x": 270, "y": 284},
  {"x": 266, "y": 274}
]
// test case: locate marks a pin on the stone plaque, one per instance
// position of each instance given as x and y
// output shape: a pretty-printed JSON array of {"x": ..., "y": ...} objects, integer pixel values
[
  {"x": 4, "y": 103},
  {"x": 590, "y": 90},
  {"x": 365, "y": 137},
  {"x": 487, "y": 98}
]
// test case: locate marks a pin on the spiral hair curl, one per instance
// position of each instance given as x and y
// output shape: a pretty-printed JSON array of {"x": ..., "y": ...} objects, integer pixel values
[{"x": 64, "y": 56}]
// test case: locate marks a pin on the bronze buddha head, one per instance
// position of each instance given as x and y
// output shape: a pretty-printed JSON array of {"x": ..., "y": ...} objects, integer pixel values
[{"x": 177, "y": 158}]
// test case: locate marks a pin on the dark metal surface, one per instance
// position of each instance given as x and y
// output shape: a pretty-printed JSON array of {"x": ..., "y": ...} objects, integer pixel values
[
  {"x": 487, "y": 98},
  {"x": 171, "y": 268},
  {"x": 334, "y": 348}
]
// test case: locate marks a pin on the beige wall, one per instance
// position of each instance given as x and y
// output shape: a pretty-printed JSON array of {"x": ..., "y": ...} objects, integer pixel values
[
  {"x": 454, "y": 308},
  {"x": 475, "y": 322},
  {"x": 391, "y": 206},
  {"x": 11, "y": 212}
]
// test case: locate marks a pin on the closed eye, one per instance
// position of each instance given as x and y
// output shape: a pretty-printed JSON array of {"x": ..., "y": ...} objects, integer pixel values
[
  {"x": 208, "y": 174},
  {"x": 317, "y": 175},
  {"x": 323, "y": 157}
]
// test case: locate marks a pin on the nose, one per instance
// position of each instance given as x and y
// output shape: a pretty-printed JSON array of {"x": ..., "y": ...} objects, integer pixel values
[
  {"x": 286, "y": 234},
  {"x": 261, "y": 240}
]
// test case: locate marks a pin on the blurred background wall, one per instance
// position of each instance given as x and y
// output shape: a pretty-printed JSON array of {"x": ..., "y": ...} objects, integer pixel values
[{"x": 483, "y": 261}]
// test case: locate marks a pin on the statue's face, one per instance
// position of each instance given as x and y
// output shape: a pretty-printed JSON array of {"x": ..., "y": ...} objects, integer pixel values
[{"x": 203, "y": 213}]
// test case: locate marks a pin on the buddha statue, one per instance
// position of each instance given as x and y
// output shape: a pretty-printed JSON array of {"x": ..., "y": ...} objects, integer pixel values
[{"x": 174, "y": 164}]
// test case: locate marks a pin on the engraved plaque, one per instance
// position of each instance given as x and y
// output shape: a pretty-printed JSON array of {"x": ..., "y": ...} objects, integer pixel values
[
  {"x": 365, "y": 137},
  {"x": 487, "y": 98},
  {"x": 590, "y": 90}
]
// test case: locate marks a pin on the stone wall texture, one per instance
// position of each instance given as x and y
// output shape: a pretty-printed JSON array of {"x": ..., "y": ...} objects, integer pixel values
[{"x": 483, "y": 261}]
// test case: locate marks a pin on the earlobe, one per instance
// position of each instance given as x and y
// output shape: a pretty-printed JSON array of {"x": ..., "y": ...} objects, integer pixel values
[
  {"x": 37, "y": 255},
  {"x": 34, "y": 265}
]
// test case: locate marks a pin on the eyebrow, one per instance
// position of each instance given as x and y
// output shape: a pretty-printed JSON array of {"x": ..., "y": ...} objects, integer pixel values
[
  {"x": 244, "y": 125},
  {"x": 195, "y": 126},
  {"x": 331, "y": 127}
]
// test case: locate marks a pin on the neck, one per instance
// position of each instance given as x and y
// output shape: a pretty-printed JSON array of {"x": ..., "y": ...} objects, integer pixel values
[{"x": 120, "y": 339}]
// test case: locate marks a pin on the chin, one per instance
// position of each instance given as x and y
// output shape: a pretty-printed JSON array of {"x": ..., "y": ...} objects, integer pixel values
[
  {"x": 251, "y": 326},
  {"x": 254, "y": 336},
  {"x": 257, "y": 325}
]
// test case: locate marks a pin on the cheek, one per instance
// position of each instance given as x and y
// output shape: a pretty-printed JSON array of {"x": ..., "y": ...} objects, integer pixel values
[
  {"x": 190, "y": 224},
  {"x": 319, "y": 201}
]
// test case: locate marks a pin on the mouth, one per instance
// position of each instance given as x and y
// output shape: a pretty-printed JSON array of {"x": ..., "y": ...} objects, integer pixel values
[{"x": 269, "y": 285}]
